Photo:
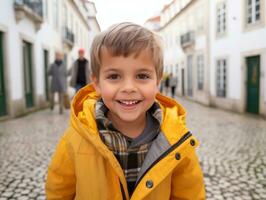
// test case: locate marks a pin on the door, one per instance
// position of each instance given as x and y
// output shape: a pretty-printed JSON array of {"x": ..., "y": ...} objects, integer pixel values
[
  {"x": 28, "y": 80},
  {"x": 46, "y": 65},
  {"x": 3, "y": 110},
  {"x": 189, "y": 76},
  {"x": 253, "y": 84},
  {"x": 183, "y": 82}
]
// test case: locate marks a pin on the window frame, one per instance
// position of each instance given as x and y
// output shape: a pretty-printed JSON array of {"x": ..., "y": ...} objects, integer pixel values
[
  {"x": 200, "y": 71},
  {"x": 55, "y": 8},
  {"x": 221, "y": 80},
  {"x": 221, "y": 21},
  {"x": 257, "y": 23}
]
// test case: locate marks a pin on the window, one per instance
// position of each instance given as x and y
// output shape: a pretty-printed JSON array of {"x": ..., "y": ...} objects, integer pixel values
[
  {"x": 253, "y": 11},
  {"x": 76, "y": 33},
  {"x": 46, "y": 9},
  {"x": 71, "y": 27},
  {"x": 221, "y": 19},
  {"x": 81, "y": 37},
  {"x": 221, "y": 66},
  {"x": 65, "y": 15},
  {"x": 199, "y": 18},
  {"x": 200, "y": 71},
  {"x": 177, "y": 40},
  {"x": 176, "y": 73},
  {"x": 55, "y": 14}
]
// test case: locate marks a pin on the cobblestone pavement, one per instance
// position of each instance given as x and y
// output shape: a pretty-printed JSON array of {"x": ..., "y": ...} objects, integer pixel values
[
  {"x": 232, "y": 152},
  {"x": 26, "y": 145}
]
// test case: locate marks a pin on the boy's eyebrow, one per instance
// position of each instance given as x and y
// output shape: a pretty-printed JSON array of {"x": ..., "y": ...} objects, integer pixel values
[
  {"x": 117, "y": 70},
  {"x": 111, "y": 69},
  {"x": 145, "y": 70}
]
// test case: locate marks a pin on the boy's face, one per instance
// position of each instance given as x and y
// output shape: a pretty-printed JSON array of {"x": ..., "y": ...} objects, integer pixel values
[{"x": 127, "y": 85}]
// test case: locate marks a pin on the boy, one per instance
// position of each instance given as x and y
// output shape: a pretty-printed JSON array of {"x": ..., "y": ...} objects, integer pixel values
[{"x": 125, "y": 141}]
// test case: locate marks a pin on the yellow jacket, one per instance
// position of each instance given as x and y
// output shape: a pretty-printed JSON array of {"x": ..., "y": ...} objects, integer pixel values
[{"x": 83, "y": 168}]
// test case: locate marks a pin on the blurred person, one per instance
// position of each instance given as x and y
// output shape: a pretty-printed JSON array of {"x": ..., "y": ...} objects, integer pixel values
[
  {"x": 80, "y": 71},
  {"x": 58, "y": 74},
  {"x": 172, "y": 84},
  {"x": 125, "y": 140},
  {"x": 166, "y": 84},
  {"x": 161, "y": 85}
]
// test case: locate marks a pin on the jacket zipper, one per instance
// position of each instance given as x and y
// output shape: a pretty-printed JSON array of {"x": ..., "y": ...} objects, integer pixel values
[
  {"x": 173, "y": 147},
  {"x": 123, "y": 191}
]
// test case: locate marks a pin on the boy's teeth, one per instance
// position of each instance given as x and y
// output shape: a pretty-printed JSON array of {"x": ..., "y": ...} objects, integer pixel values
[{"x": 129, "y": 102}]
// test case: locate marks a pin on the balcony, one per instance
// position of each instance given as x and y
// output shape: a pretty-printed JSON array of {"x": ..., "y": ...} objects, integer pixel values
[
  {"x": 187, "y": 39},
  {"x": 68, "y": 37},
  {"x": 32, "y": 9}
]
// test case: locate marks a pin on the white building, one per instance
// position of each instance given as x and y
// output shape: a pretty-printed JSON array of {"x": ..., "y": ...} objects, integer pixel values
[
  {"x": 184, "y": 28},
  {"x": 238, "y": 55},
  {"x": 153, "y": 23},
  {"x": 30, "y": 33},
  {"x": 217, "y": 48},
  {"x": 92, "y": 20}
]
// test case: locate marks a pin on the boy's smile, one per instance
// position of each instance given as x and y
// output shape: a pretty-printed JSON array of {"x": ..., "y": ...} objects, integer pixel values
[
  {"x": 128, "y": 104},
  {"x": 128, "y": 86}
]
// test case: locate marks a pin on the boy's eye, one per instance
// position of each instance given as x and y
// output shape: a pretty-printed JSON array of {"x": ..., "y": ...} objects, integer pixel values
[
  {"x": 113, "y": 76},
  {"x": 143, "y": 76}
]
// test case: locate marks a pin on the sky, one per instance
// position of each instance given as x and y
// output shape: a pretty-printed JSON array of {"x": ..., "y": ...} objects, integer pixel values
[{"x": 138, "y": 11}]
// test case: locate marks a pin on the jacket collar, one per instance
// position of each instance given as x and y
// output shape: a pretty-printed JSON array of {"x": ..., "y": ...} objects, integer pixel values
[{"x": 82, "y": 111}]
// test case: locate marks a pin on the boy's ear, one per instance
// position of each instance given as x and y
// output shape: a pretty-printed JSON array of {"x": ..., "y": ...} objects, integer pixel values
[{"x": 95, "y": 83}]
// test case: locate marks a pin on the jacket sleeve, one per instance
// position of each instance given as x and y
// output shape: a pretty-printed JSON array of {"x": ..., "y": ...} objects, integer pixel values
[
  {"x": 61, "y": 181},
  {"x": 187, "y": 182}
]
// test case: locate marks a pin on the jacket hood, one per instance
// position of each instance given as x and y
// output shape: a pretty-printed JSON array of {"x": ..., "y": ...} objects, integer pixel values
[{"x": 82, "y": 113}]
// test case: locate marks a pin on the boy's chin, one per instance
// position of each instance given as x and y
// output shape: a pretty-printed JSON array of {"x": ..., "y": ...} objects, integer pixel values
[{"x": 127, "y": 117}]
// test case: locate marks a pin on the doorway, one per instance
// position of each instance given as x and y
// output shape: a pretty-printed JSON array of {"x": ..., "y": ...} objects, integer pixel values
[
  {"x": 28, "y": 79},
  {"x": 183, "y": 82},
  {"x": 253, "y": 84},
  {"x": 3, "y": 110},
  {"x": 189, "y": 76},
  {"x": 46, "y": 65}
]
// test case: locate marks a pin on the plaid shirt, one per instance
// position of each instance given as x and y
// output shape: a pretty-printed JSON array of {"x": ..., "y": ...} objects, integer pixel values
[{"x": 130, "y": 152}]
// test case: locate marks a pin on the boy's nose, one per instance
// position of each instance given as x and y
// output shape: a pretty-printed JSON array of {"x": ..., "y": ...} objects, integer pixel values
[{"x": 128, "y": 86}]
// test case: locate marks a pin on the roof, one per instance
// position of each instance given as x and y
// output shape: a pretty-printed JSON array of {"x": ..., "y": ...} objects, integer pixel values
[{"x": 154, "y": 19}]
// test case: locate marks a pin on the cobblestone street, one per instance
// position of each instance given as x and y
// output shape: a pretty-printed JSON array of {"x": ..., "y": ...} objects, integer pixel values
[{"x": 232, "y": 152}]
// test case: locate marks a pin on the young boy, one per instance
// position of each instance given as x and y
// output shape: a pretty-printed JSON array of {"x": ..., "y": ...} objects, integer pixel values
[{"x": 125, "y": 141}]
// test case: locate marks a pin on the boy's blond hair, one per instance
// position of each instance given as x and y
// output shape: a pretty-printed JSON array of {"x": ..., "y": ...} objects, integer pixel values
[{"x": 125, "y": 39}]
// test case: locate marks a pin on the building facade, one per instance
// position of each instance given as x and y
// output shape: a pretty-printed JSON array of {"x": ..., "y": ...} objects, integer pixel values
[
  {"x": 30, "y": 34},
  {"x": 92, "y": 20},
  {"x": 184, "y": 29},
  {"x": 217, "y": 48},
  {"x": 238, "y": 55}
]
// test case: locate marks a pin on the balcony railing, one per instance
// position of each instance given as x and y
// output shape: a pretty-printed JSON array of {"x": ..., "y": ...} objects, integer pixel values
[
  {"x": 35, "y": 5},
  {"x": 187, "y": 39},
  {"x": 30, "y": 8},
  {"x": 68, "y": 36}
]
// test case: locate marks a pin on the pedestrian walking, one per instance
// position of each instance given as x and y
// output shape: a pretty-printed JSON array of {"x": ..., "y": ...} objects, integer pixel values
[
  {"x": 166, "y": 84},
  {"x": 172, "y": 84},
  {"x": 80, "y": 71},
  {"x": 124, "y": 140},
  {"x": 162, "y": 86},
  {"x": 58, "y": 74}
]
